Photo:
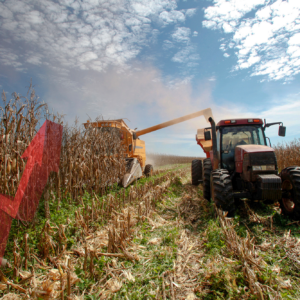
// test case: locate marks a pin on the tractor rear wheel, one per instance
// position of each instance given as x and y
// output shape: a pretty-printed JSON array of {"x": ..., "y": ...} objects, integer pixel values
[
  {"x": 290, "y": 183},
  {"x": 207, "y": 169},
  {"x": 196, "y": 171},
  {"x": 221, "y": 191},
  {"x": 148, "y": 170}
]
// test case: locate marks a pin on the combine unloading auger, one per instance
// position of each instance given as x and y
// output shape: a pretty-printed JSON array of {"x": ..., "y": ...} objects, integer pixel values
[{"x": 136, "y": 148}]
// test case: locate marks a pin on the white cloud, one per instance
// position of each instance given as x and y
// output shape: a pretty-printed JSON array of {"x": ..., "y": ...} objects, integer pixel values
[
  {"x": 265, "y": 42},
  {"x": 167, "y": 45},
  {"x": 88, "y": 34},
  {"x": 10, "y": 59},
  {"x": 227, "y": 28},
  {"x": 34, "y": 59},
  {"x": 187, "y": 55},
  {"x": 223, "y": 47},
  {"x": 232, "y": 10},
  {"x": 195, "y": 33},
  {"x": 182, "y": 35},
  {"x": 34, "y": 17},
  {"x": 88, "y": 56},
  {"x": 295, "y": 39},
  {"x": 190, "y": 12},
  {"x": 169, "y": 17}
]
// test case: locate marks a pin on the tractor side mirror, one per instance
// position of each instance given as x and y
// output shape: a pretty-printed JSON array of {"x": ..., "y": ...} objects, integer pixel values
[
  {"x": 207, "y": 135},
  {"x": 134, "y": 135},
  {"x": 281, "y": 131}
]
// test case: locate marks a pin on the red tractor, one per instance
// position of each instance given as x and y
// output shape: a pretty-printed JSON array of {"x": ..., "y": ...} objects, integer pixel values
[{"x": 239, "y": 164}]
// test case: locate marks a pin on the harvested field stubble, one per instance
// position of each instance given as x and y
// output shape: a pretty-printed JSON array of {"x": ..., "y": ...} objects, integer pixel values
[
  {"x": 159, "y": 239},
  {"x": 166, "y": 159},
  {"x": 236, "y": 262},
  {"x": 103, "y": 229}
]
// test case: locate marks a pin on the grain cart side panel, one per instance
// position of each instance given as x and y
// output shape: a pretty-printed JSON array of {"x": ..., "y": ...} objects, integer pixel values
[{"x": 205, "y": 145}]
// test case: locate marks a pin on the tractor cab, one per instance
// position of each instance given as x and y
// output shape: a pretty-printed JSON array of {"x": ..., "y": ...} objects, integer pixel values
[{"x": 230, "y": 135}]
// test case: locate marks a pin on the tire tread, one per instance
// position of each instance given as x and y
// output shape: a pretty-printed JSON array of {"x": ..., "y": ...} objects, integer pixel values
[
  {"x": 196, "y": 169},
  {"x": 223, "y": 191}
]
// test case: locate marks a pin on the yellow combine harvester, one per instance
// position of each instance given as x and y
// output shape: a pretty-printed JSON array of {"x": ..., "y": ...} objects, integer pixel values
[{"x": 135, "y": 149}]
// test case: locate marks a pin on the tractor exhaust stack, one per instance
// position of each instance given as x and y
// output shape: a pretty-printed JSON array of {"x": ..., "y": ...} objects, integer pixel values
[{"x": 214, "y": 144}]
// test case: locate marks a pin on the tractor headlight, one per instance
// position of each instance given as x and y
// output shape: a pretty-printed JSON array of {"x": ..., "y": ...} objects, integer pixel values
[{"x": 263, "y": 168}]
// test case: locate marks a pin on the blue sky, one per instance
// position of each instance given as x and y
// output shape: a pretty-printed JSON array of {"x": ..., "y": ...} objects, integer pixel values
[{"x": 151, "y": 61}]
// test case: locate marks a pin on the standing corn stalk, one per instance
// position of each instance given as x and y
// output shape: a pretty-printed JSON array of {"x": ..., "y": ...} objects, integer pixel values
[{"x": 91, "y": 159}]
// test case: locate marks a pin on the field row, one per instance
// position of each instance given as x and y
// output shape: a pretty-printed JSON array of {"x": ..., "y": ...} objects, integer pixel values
[
  {"x": 158, "y": 239},
  {"x": 75, "y": 238}
]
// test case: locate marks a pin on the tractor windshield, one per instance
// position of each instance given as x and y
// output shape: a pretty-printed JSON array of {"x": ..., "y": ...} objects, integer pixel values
[
  {"x": 233, "y": 136},
  {"x": 241, "y": 135}
]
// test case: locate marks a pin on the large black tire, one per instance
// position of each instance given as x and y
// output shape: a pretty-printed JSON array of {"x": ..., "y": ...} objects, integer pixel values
[
  {"x": 148, "y": 170},
  {"x": 290, "y": 182},
  {"x": 196, "y": 171},
  {"x": 207, "y": 169},
  {"x": 222, "y": 192}
]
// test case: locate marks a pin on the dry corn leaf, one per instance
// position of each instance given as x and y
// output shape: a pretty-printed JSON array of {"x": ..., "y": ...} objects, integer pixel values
[
  {"x": 155, "y": 241},
  {"x": 105, "y": 295},
  {"x": 284, "y": 284},
  {"x": 24, "y": 274},
  {"x": 47, "y": 290},
  {"x": 55, "y": 275},
  {"x": 265, "y": 246},
  {"x": 11, "y": 296},
  {"x": 276, "y": 269},
  {"x": 191, "y": 296},
  {"x": 3, "y": 286},
  {"x": 114, "y": 285},
  {"x": 74, "y": 297},
  {"x": 129, "y": 276}
]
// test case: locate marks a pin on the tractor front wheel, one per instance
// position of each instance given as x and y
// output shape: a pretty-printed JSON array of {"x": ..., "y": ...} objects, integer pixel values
[
  {"x": 196, "y": 171},
  {"x": 148, "y": 170},
  {"x": 207, "y": 169},
  {"x": 290, "y": 183},
  {"x": 221, "y": 191}
]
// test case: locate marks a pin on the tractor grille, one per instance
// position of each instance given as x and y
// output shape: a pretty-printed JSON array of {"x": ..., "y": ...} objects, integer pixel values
[
  {"x": 269, "y": 187},
  {"x": 263, "y": 158}
]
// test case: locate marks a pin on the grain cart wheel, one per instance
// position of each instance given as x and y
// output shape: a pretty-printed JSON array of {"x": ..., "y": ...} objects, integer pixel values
[
  {"x": 148, "y": 170},
  {"x": 207, "y": 169},
  {"x": 196, "y": 171},
  {"x": 290, "y": 183},
  {"x": 221, "y": 191}
]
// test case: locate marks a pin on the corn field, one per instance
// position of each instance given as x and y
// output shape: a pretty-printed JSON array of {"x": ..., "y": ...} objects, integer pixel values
[
  {"x": 19, "y": 120},
  {"x": 288, "y": 154},
  {"x": 91, "y": 159}
]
